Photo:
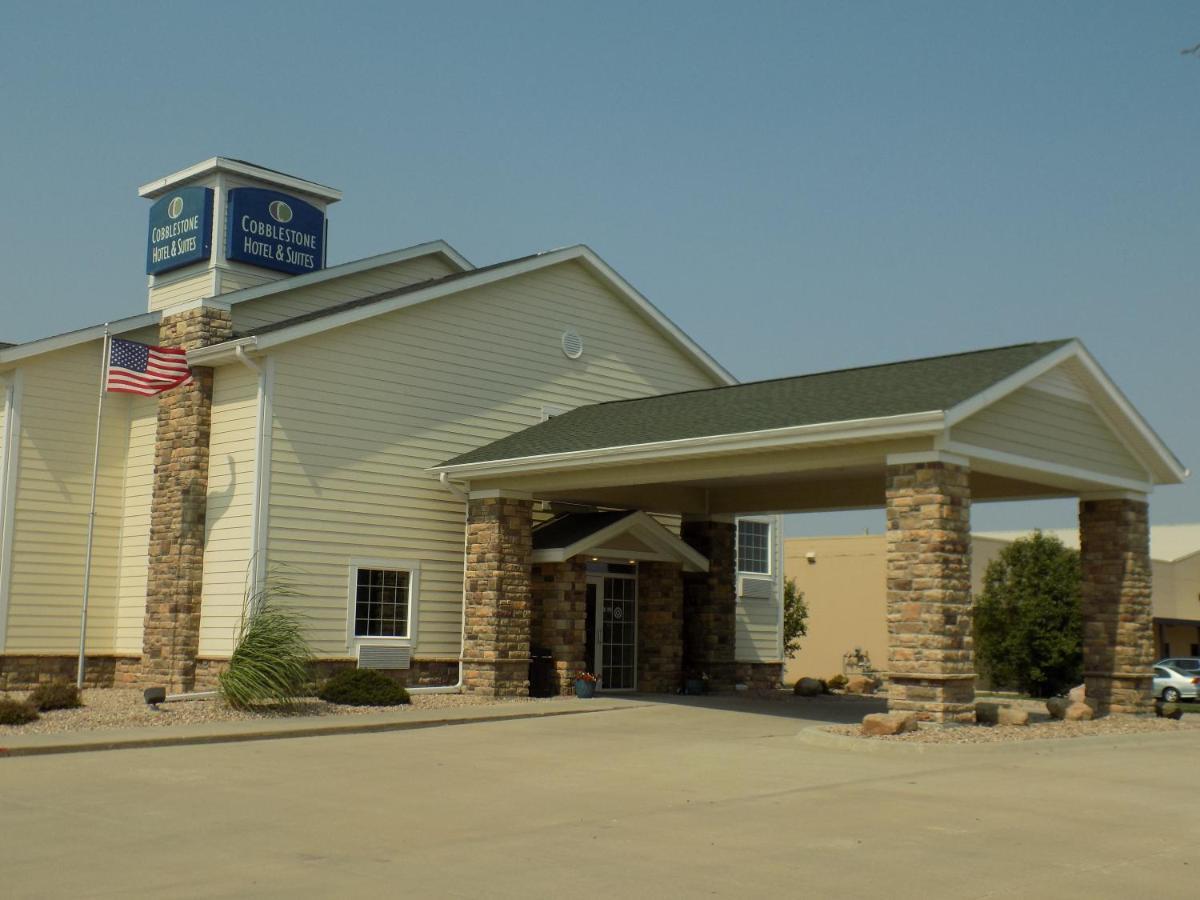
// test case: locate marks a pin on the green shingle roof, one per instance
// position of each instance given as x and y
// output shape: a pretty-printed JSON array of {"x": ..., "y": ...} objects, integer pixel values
[{"x": 919, "y": 385}]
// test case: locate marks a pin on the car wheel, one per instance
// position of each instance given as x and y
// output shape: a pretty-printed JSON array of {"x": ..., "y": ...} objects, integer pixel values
[{"x": 1170, "y": 695}]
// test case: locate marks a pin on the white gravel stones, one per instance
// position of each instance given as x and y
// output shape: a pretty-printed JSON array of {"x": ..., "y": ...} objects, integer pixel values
[{"x": 124, "y": 708}]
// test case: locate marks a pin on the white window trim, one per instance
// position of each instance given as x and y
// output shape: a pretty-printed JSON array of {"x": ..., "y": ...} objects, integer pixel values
[
  {"x": 413, "y": 568},
  {"x": 771, "y": 528}
]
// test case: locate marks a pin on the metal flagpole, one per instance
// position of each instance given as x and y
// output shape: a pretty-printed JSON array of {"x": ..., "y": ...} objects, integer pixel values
[{"x": 87, "y": 560}]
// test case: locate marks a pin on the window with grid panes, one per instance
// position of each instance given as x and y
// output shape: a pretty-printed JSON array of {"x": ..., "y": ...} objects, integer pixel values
[
  {"x": 754, "y": 547},
  {"x": 381, "y": 603}
]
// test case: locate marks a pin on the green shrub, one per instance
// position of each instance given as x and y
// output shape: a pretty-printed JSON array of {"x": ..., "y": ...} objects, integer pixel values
[
  {"x": 17, "y": 712},
  {"x": 1028, "y": 620},
  {"x": 363, "y": 687},
  {"x": 55, "y": 695},
  {"x": 271, "y": 659},
  {"x": 836, "y": 682}
]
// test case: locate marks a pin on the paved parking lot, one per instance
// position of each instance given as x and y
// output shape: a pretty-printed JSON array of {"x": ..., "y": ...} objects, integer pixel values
[{"x": 668, "y": 800}]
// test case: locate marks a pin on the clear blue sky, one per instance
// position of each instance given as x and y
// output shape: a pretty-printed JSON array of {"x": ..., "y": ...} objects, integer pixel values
[{"x": 801, "y": 186}]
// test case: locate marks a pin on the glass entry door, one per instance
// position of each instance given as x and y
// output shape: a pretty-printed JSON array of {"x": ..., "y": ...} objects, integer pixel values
[{"x": 616, "y": 630}]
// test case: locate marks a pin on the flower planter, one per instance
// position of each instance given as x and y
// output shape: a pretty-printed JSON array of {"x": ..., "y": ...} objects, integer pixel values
[{"x": 585, "y": 689}]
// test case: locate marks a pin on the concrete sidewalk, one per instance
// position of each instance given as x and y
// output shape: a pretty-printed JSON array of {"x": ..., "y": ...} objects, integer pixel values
[
  {"x": 657, "y": 800},
  {"x": 298, "y": 727}
]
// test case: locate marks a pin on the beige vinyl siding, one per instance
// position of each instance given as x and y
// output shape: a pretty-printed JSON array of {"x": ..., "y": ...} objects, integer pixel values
[
  {"x": 757, "y": 635},
  {"x": 361, "y": 412},
  {"x": 58, "y": 416},
  {"x": 187, "y": 287},
  {"x": 255, "y": 313},
  {"x": 135, "y": 524},
  {"x": 228, "y": 527},
  {"x": 1051, "y": 428},
  {"x": 237, "y": 279}
]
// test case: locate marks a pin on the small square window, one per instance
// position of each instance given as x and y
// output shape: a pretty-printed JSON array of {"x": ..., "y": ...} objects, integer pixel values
[{"x": 754, "y": 547}]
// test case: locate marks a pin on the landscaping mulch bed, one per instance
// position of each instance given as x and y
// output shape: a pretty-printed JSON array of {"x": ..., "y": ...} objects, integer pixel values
[{"x": 124, "y": 708}]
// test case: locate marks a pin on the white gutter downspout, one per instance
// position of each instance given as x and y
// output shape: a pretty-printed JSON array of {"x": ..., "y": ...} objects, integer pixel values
[{"x": 457, "y": 687}]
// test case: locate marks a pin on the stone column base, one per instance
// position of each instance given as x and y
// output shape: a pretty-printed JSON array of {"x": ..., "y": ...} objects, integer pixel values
[
  {"x": 945, "y": 699},
  {"x": 496, "y": 677},
  {"x": 759, "y": 676},
  {"x": 1123, "y": 693}
]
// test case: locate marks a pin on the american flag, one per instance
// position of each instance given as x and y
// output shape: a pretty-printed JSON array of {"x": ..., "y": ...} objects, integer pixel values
[{"x": 139, "y": 369}]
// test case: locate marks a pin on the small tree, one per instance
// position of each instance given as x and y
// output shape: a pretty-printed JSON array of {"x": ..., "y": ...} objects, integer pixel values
[
  {"x": 795, "y": 617},
  {"x": 1028, "y": 624}
]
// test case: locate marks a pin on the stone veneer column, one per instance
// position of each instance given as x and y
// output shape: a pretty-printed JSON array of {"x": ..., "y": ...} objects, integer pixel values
[
  {"x": 660, "y": 626},
  {"x": 930, "y": 647},
  {"x": 171, "y": 634},
  {"x": 498, "y": 624},
  {"x": 559, "y": 594},
  {"x": 710, "y": 600},
  {"x": 1118, "y": 633}
]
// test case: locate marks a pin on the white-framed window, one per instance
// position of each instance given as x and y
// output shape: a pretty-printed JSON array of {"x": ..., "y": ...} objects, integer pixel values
[
  {"x": 754, "y": 546},
  {"x": 383, "y": 600}
]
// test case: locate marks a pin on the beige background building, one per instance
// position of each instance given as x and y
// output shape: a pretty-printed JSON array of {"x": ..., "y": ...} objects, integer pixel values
[{"x": 843, "y": 579}]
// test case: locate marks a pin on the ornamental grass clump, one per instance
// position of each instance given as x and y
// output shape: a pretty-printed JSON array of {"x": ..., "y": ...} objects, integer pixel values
[
  {"x": 363, "y": 687},
  {"x": 17, "y": 712},
  {"x": 55, "y": 695},
  {"x": 271, "y": 660}
]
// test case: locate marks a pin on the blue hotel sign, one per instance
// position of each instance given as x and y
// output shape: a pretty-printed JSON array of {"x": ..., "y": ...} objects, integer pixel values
[
  {"x": 180, "y": 230},
  {"x": 275, "y": 231}
]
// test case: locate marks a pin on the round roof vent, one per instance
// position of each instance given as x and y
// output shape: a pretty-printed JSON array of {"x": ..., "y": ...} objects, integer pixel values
[{"x": 572, "y": 344}]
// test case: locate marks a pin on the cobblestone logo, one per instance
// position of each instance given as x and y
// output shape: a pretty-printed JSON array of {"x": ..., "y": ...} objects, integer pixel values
[{"x": 280, "y": 212}]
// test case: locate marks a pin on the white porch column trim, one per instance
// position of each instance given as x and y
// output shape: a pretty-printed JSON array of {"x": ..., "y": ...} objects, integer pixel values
[
  {"x": 496, "y": 493},
  {"x": 9, "y": 469},
  {"x": 928, "y": 456},
  {"x": 1136, "y": 496}
]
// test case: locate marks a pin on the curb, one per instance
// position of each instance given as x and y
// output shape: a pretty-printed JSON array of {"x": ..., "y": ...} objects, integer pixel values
[{"x": 140, "y": 742}]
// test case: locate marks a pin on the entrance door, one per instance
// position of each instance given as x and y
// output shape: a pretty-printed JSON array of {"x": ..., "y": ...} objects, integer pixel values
[{"x": 615, "y": 642}]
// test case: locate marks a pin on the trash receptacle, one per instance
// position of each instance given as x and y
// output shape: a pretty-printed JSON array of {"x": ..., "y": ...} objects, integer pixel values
[{"x": 542, "y": 677}]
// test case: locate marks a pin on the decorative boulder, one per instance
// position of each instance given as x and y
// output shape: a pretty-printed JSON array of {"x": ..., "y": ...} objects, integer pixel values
[
  {"x": 1168, "y": 710},
  {"x": 1078, "y": 712},
  {"x": 1057, "y": 707},
  {"x": 861, "y": 684},
  {"x": 877, "y": 724},
  {"x": 1077, "y": 694},
  {"x": 808, "y": 687},
  {"x": 995, "y": 714}
]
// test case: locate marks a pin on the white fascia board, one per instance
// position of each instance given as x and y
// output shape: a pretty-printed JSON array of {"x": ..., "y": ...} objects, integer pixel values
[
  {"x": 160, "y": 186},
  {"x": 434, "y": 291},
  {"x": 82, "y": 336},
  {"x": 1099, "y": 479},
  {"x": 1166, "y": 467},
  {"x": 1006, "y": 386},
  {"x": 906, "y": 425},
  {"x": 353, "y": 267},
  {"x": 652, "y": 312},
  {"x": 1167, "y": 462}
]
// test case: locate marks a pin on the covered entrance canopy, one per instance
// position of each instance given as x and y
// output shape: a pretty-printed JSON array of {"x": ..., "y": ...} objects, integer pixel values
[{"x": 923, "y": 439}]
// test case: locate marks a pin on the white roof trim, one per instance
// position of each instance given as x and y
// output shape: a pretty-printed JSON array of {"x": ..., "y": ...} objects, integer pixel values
[
  {"x": 488, "y": 276},
  {"x": 353, "y": 267},
  {"x": 1130, "y": 428},
  {"x": 160, "y": 186},
  {"x": 906, "y": 425},
  {"x": 641, "y": 526},
  {"x": 81, "y": 336}
]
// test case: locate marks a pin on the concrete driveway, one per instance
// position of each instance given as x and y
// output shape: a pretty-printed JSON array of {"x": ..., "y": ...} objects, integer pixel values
[{"x": 668, "y": 800}]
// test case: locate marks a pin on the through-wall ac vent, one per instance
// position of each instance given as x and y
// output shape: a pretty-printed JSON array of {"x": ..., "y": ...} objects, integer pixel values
[
  {"x": 758, "y": 588},
  {"x": 572, "y": 344},
  {"x": 373, "y": 657}
]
